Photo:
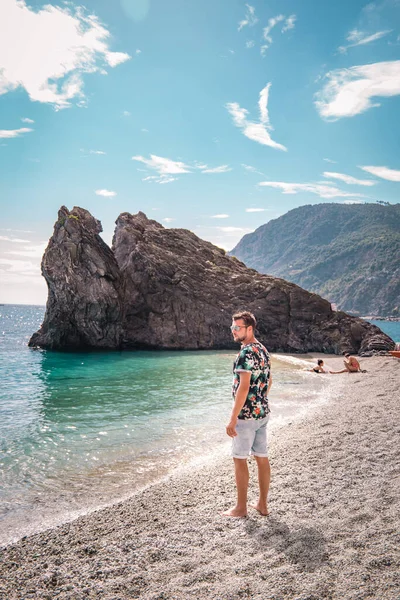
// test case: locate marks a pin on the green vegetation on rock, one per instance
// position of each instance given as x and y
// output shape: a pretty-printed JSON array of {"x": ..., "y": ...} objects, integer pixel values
[{"x": 349, "y": 254}]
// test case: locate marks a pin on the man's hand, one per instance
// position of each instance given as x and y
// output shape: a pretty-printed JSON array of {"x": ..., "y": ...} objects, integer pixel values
[{"x": 231, "y": 428}]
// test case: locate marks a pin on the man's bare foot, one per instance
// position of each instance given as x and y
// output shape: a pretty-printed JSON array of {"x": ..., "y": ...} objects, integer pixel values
[
  {"x": 235, "y": 513},
  {"x": 262, "y": 509}
]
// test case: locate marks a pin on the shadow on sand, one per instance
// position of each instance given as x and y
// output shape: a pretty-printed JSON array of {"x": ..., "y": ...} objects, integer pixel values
[{"x": 305, "y": 546}]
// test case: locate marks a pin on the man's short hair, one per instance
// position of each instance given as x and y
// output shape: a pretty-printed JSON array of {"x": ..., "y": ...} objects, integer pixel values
[
  {"x": 346, "y": 354},
  {"x": 248, "y": 318}
]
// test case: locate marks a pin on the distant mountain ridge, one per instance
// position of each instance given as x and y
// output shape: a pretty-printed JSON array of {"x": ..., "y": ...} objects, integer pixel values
[{"x": 349, "y": 254}]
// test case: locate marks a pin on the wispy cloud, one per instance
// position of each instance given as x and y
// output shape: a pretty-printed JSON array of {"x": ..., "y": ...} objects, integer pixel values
[
  {"x": 159, "y": 179},
  {"x": 328, "y": 160},
  {"x": 255, "y": 210},
  {"x": 20, "y": 267},
  {"x": 267, "y": 30},
  {"x": 250, "y": 18},
  {"x": 96, "y": 152},
  {"x": 383, "y": 173},
  {"x": 6, "y": 238},
  {"x": 26, "y": 120},
  {"x": 59, "y": 46},
  {"x": 106, "y": 193},
  {"x": 289, "y": 23},
  {"x": 258, "y": 132},
  {"x": 168, "y": 220},
  {"x": 222, "y": 216},
  {"x": 360, "y": 38},
  {"x": 234, "y": 229},
  {"x": 220, "y": 169},
  {"x": 348, "y": 179},
  {"x": 250, "y": 44},
  {"x": 350, "y": 91},
  {"x": 126, "y": 113},
  {"x": 13, "y": 133},
  {"x": 320, "y": 189},
  {"x": 165, "y": 167},
  {"x": 35, "y": 251},
  {"x": 352, "y": 202},
  {"x": 252, "y": 169}
]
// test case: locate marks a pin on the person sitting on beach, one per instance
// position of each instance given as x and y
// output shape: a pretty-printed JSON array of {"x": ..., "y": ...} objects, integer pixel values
[
  {"x": 250, "y": 413},
  {"x": 319, "y": 368},
  {"x": 351, "y": 365}
]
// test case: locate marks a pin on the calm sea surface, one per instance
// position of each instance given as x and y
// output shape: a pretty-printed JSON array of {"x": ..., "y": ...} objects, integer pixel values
[{"x": 78, "y": 431}]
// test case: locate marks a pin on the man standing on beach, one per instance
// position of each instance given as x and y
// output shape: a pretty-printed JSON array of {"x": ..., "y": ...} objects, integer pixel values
[{"x": 250, "y": 413}]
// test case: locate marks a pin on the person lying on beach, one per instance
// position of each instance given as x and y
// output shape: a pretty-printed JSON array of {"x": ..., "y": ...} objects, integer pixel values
[
  {"x": 319, "y": 368},
  {"x": 351, "y": 365}
]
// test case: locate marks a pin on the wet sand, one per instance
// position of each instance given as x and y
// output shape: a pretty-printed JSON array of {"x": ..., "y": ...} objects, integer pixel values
[{"x": 333, "y": 529}]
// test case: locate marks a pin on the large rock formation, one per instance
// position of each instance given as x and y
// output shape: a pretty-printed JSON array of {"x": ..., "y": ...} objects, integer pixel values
[
  {"x": 167, "y": 288},
  {"x": 84, "y": 305}
]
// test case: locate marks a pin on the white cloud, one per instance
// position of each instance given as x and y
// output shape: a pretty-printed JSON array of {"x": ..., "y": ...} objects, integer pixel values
[
  {"x": 126, "y": 113},
  {"x": 383, "y": 173},
  {"x": 267, "y": 30},
  {"x": 359, "y": 38},
  {"x": 96, "y": 152},
  {"x": 35, "y": 251},
  {"x": 348, "y": 179},
  {"x": 233, "y": 229},
  {"x": 221, "y": 169},
  {"x": 352, "y": 202},
  {"x": 328, "y": 160},
  {"x": 250, "y": 44},
  {"x": 26, "y": 120},
  {"x": 5, "y": 238},
  {"x": 350, "y": 91},
  {"x": 252, "y": 169},
  {"x": 163, "y": 165},
  {"x": 160, "y": 178},
  {"x": 250, "y": 18},
  {"x": 144, "y": 130},
  {"x": 46, "y": 52},
  {"x": 289, "y": 23},
  {"x": 105, "y": 193},
  {"x": 255, "y": 210},
  {"x": 168, "y": 220},
  {"x": 320, "y": 189},
  {"x": 222, "y": 216},
  {"x": 19, "y": 266},
  {"x": 12, "y": 133},
  {"x": 258, "y": 132}
]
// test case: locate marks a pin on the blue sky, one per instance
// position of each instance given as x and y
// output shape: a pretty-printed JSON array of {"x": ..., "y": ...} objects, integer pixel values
[{"x": 215, "y": 116}]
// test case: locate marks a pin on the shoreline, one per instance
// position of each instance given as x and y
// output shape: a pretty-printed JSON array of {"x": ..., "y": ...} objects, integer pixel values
[
  {"x": 130, "y": 477},
  {"x": 331, "y": 534}
]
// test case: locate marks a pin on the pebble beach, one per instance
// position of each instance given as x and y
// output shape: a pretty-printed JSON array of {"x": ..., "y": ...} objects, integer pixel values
[{"x": 332, "y": 531}]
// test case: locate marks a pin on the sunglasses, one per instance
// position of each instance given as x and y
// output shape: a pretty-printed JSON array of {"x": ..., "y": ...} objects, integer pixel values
[{"x": 238, "y": 327}]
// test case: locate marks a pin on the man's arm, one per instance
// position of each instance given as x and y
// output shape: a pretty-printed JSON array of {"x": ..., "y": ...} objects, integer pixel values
[{"x": 240, "y": 399}]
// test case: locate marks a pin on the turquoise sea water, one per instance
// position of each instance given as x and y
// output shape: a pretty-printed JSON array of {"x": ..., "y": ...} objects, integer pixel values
[
  {"x": 78, "y": 431},
  {"x": 391, "y": 328}
]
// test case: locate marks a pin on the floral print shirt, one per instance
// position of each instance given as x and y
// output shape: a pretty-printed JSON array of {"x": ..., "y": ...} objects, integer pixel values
[{"x": 253, "y": 357}]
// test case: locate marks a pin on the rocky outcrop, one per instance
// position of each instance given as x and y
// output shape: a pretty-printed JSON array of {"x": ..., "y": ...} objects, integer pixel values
[
  {"x": 167, "y": 288},
  {"x": 84, "y": 306}
]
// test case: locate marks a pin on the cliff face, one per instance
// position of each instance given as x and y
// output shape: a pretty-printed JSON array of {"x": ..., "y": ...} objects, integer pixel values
[
  {"x": 84, "y": 305},
  {"x": 166, "y": 288},
  {"x": 350, "y": 254}
]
